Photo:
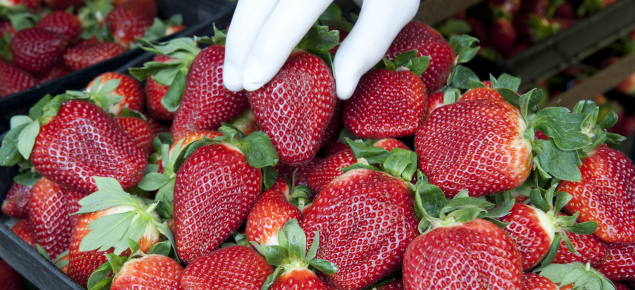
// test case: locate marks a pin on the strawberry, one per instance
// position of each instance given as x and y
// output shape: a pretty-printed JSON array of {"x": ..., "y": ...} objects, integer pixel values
[
  {"x": 435, "y": 100},
  {"x": 16, "y": 204},
  {"x": 155, "y": 92},
  {"x": 246, "y": 122},
  {"x": 35, "y": 50},
  {"x": 156, "y": 127},
  {"x": 9, "y": 278},
  {"x": 359, "y": 204},
  {"x": 533, "y": 281},
  {"x": 590, "y": 248},
  {"x": 427, "y": 42},
  {"x": 460, "y": 249},
  {"x": 334, "y": 126},
  {"x": 610, "y": 204},
  {"x": 619, "y": 262},
  {"x": 502, "y": 35},
  {"x": 58, "y": 70},
  {"x": 156, "y": 271},
  {"x": 503, "y": 156},
  {"x": 390, "y": 102},
  {"x": 29, "y": 4},
  {"x": 130, "y": 20},
  {"x": 250, "y": 270},
  {"x": 299, "y": 174},
  {"x": 139, "y": 131},
  {"x": 232, "y": 160},
  {"x": 296, "y": 116},
  {"x": 49, "y": 218},
  {"x": 576, "y": 276},
  {"x": 13, "y": 79},
  {"x": 81, "y": 56},
  {"x": 24, "y": 230},
  {"x": 63, "y": 23},
  {"x": 72, "y": 205},
  {"x": 63, "y": 4},
  {"x": 128, "y": 89},
  {"x": 6, "y": 29},
  {"x": 334, "y": 147}
]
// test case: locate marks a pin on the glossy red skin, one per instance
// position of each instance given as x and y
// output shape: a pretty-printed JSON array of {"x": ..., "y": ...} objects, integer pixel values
[
  {"x": 35, "y": 50},
  {"x": 83, "y": 141},
  {"x": 376, "y": 111},
  {"x": 16, "y": 204},
  {"x": 10, "y": 279},
  {"x": 72, "y": 204},
  {"x": 195, "y": 136},
  {"x": 271, "y": 211},
  {"x": 619, "y": 262},
  {"x": 334, "y": 127},
  {"x": 139, "y": 131},
  {"x": 13, "y": 79},
  {"x": 155, "y": 93},
  {"x": 333, "y": 148},
  {"x": 394, "y": 285},
  {"x": 63, "y": 4},
  {"x": 435, "y": 100},
  {"x": 156, "y": 127},
  {"x": 214, "y": 191},
  {"x": 428, "y": 42},
  {"x": 533, "y": 281},
  {"x": 295, "y": 279},
  {"x": 474, "y": 255},
  {"x": 49, "y": 218},
  {"x": 502, "y": 35},
  {"x": 82, "y": 56},
  {"x": 301, "y": 172},
  {"x": 295, "y": 107},
  {"x": 63, "y": 23},
  {"x": 606, "y": 194},
  {"x": 366, "y": 220},
  {"x": 620, "y": 286},
  {"x": 452, "y": 160},
  {"x": 486, "y": 93},
  {"x": 531, "y": 239},
  {"x": 58, "y": 70},
  {"x": 24, "y": 230},
  {"x": 149, "y": 272},
  {"x": 591, "y": 250},
  {"x": 206, "y": 102},
  {"x": 250, "y": 270},
  {"x": 130, "y": 20},
  {"x": 129, "y": 89}
]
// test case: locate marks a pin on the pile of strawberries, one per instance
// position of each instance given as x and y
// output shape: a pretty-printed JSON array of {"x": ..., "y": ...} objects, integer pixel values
[
  {"x": 427, "y": 178},
  {"x": 43, "y": 41}
]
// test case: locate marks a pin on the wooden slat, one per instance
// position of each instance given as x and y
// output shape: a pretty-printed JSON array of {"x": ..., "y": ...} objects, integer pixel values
[{"x": 434, "y": 11}]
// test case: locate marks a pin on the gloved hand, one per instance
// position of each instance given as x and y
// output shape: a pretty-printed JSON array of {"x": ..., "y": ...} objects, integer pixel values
[{"x": 263, "y": 33}]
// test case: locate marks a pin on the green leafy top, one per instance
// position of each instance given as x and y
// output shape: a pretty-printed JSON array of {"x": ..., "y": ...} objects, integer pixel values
[
  {"x": 407, "y": 61},
  {"x": 102, "y": 94},
  {"x": 319, "y": 40},
  {"x": 92, "y": 16},
  {"x": 332, "y": 17},
  {"x": 399, "y": 163},
  {"x": 291, "y": 253},
  {"x": 160, "y": 28},
  {"x": 460, "y": 76},
  {"x": 163, "y": 182},
  {"x": 59, "y": 263},
  {"x": 583, "y": 277}
]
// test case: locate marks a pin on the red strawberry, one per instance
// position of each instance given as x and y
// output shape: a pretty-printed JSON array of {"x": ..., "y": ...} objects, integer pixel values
[
  {"x": 63, "y": 4},
  {"x": 427, "y": 42},
  {"x": 82, "y": 141},
  {"x": 334, "y": 127},
  {"x": 35, "y": 50},
  {"x": 139, "y": 131},
  {"x": 129, "y": 89},
  {"x": 155, "y": 93},
  {"x": 606, "y": 194},
  {"x": 591, "y": 250},
  {"x": 13, "y": 79},
  {"x": 619, "y": 262},
  {"x": 334, "y": 147},
  {"x": 58, "y": 70},
  {"x": 502, "y": 35},
  {"x": 82, "y": 56},
  {"x": 620, "y": 286},
  {"x": 250, "y": 270},
  {"x": 72, "y": 204},
  {"x": 296, "y": 116},
  {"x": 24, "y": 230},
  {"x": 130, "y": 20},
  {"x": 29, "y": 4},
  {"x": 195, "y": 184},
  {"x": 206, "y": 102},
  {"x": 9, "y": 278},
  {"x": 533, "y": 281},
  {"x": 16, "y": 204},
  {"x": 298, "y": 279},
  {"x": 387, "y": 103},
  {"x": 435, "y": 100},
  {"x": 151, "y": 271},
  {"x": 299, "y": 174},
  {"x": 49, "y": 218},
  {"x": 63, "y": 23}
]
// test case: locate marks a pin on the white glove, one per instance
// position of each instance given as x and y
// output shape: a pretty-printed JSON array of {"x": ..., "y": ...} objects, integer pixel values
[{"x": 263, "y": 33}]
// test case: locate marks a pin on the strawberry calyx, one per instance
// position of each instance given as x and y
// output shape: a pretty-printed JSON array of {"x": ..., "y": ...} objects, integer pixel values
[
  {"x": 597, "y": 132},
  {"x": 60, "y": 261},
  {"x": 160, "y": 28},
  {"x": 407, "y": 61},
  {"x": 163, "y": 182},
  {"x": 399, "y": 163},
  {"x": 318, "y": 41},
  {"x": 333, "y": 17},
  {"x": 291, "y": 253},
  {"x": 540, "y": 28},
  {"x": 92, "y": 16},
  {"x": 580, "y": 275},
  {"x": 460, "y": 76},
  {"x": 101, "y": 94},
  {"x": 589, "y": 7},
  {"x": 246, "y": 122},
  {"x": 19, "y": 16}
]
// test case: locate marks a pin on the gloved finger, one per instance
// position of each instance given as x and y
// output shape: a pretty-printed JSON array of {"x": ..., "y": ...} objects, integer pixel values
[
  {"x": 286, "y": 26},
  {"x": 362, "y": 49},
  {"x": 249, "y": 17}
]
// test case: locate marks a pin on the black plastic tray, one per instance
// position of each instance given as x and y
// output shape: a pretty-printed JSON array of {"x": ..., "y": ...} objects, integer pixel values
[
  {"x": 198, "y": 16},
  {"x": 23, "y": 258}
]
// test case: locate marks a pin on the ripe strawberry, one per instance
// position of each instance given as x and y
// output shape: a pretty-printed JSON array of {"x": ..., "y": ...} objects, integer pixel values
[
  {"x": 49, "y": 218},
  {"x": 130, "y": 20},
  {"x": 576, "y": 276},
  {"x": 63, "y": 23},
  {"x": 82, "y": 56},
  {"x": 128, "y": 88},
  {"x": 533, "y": 281},
  {"x": 72, "y": 204},
  {"x": 427, "y": 42},
  {"x": 58, "y": 70},
  {"x": 334, "y": 147},
  {"x": 298, "y": 279},
  {"x": 590, "y": 248},
  {"x": 250, "y": 270},
  {"x": 619, "y": 262},
  {"x": 24, "y": 230},
  {"x": 620, "y": 286},
  {"x": 390, "y": 102},
  {"x": 298, "y": 131},
  {"x": 63, "y": 4},
  {"x": 9, "y": 278},
  {"x": 151, "y": 271},
  {"x": 29, "y": 4},
  {"x": 155, "y": 92},
  {"x": 232, "y": 162},
  {"x": 299, "y": 174},
  {"x": 435, "y": 100},
  {"x": 13, "y": 79},
  {"x": 610, "y": 204},
  {"x": 334, "y": 127},
  {"x": 502, "y": 35},
  {"x": 35, "y": 50},
  {"x": 139, "y": 131},
  {"x": 16, "y": 204}
]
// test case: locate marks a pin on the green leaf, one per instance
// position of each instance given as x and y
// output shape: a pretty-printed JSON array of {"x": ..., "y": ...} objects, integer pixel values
[
  {"x": 420, "y": 65},
  {"x": 465, "y": 202},
  {"x": 500, "y": 211},
  {"x": 333, "y": 12},
  {"x": 398, "y": 161},
  {"x": 115, "y": 261},
  {"x": 160, "y": 248},
  {"x": 153, "y": 181},
  {"x": 152, "y": 68},
  {"x": 219, "y": 36},
  {"x": 269, "y": 176},
  {"x": 276, "y": 255},
  {"x": 585, "y": 228},
  {"x": 258, "y": 150},
  {"x": 272, "y": 278},
  {"x": 134, "y": 232},
  {"x": 465, "y": 215},
  {"x": 563, "y": 127},
  {"x": 28, "y": 178},
  {"x": 101, "y": 274},
  {"x": 324, "y": 266},
  {"x": 42, "y": 251},
  {"x": 314, "y": 246},
  {"x": 538, "y": 200},
  {"x": 476, "y": 84},
  {"x": 510, "y": 96},
  {"x": 463, "y": 48},
  {"x": 109, "y": 194},
  {"x": 106, "y": 231},
  {"x": 406, "y": 58},
  {"x": 296, "y": 240},
  {"x": 553, "y": 250},
  {"x": 19, "y": 120},
  {"x": 173, "y": 96},
  {"x": 505, "y": 81},
  {"x": 461, "y": 77},
  {"x": 359, "y": 165},
  {"x": 562, "y": 199},
  {"x": 26, "y": 139},
  {"x": 319, "y": 38},
  {"x": 22, "y": 20},
  {"x": 165, "y": 230},
  {"x": 429, "y": 199},
  {"x": 372, "y": 154},
  {"x": 558, "y": 163}
]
